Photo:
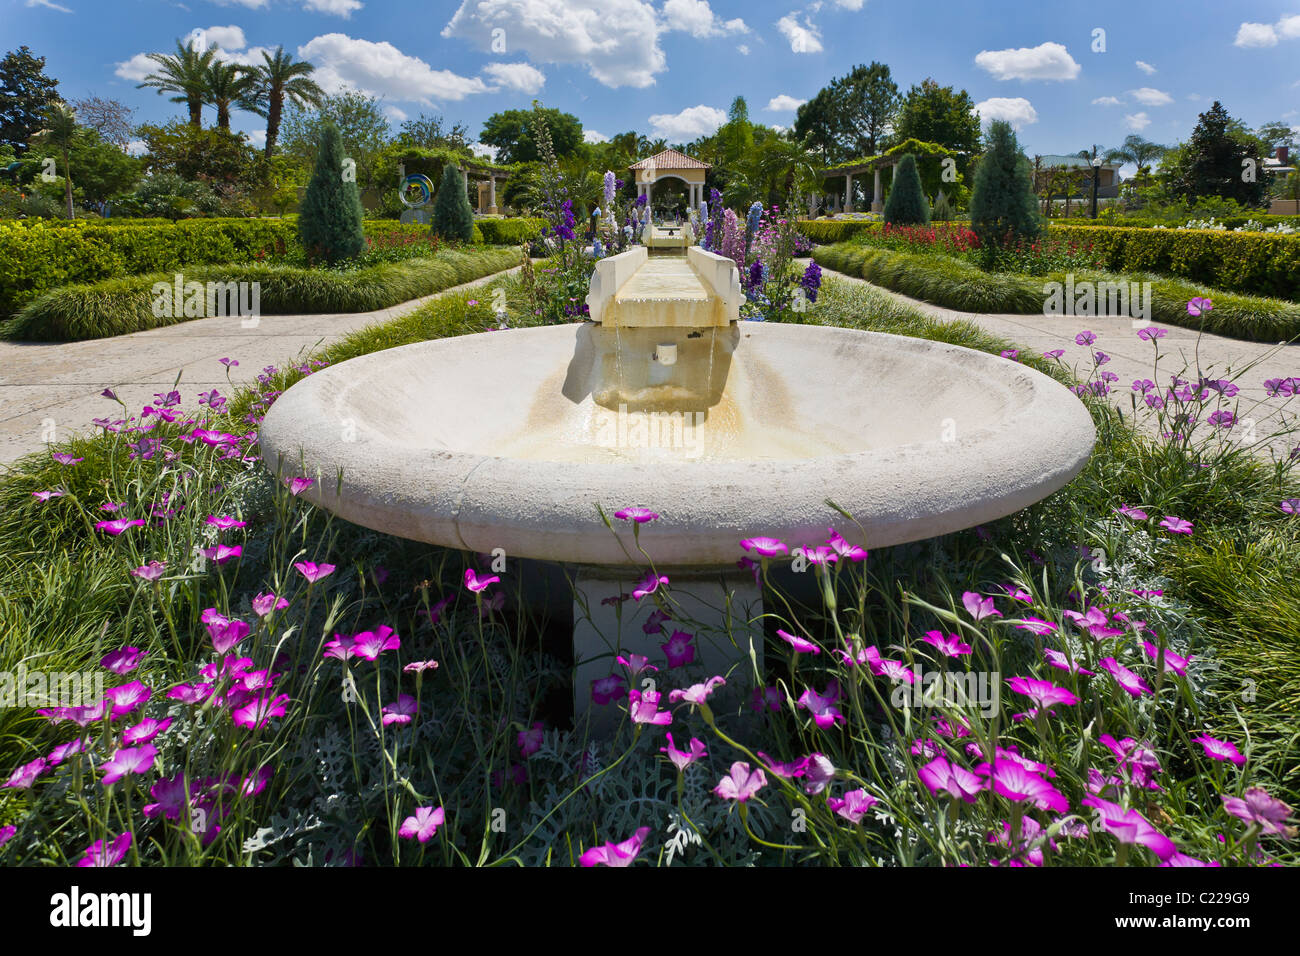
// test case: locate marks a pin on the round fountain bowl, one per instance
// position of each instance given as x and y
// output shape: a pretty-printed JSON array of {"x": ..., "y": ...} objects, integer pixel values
[{"x": 511, "y": 439}]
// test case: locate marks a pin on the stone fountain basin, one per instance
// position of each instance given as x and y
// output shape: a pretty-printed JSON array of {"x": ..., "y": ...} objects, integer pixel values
[{"x": 509, "y": 439}]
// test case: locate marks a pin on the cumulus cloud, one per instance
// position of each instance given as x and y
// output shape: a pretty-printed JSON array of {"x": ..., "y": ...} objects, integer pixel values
[
  {"x": 396, "y": 113},
  {"x": 697, "y": 18},
  {"x": 1145, "y": 67},
  {"x": 1137, "y": 121},
  {"x": 591, "y": 136},
  {"x": 854, "y": 5},
  {"x": 691, "y": 123},
  {"x": 340, "y": 8},
  {"x": 784, "y": 103},
  {"x": 1016, "y": 110},
  {"x": 136, "y": 68},
  {"x": 137, "y": 147},
  {"x": 1047, "y": 61},
  {"x": 1255, "y": 34},
  {"x": 1151, "y": 97},
  {"x": 523, "y": 77},
  {"x": 804, "y": 37},
  {"x": 616, "y": 40},
  {"x": 743, "y": 48},
  {"x": 485, "y": 151},
  {"x": 255, "y": 137},
  {"x": 381, "y": 69},
  {"x": 249, "y": 4},
  {"x": 1106, "y": 101}
]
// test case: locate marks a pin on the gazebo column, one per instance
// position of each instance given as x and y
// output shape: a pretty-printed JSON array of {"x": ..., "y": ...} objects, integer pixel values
[
  {"x": 877, "y": 200},
  {"x": 848, "y": 192}
]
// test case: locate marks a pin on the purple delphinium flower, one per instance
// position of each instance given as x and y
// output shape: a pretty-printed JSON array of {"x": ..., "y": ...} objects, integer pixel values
[
  {"x": 616, "y": 854},
  {"x": 423, "y": 826}
]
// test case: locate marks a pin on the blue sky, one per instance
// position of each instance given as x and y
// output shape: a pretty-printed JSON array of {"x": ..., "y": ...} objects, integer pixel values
[{"x": 671, "y": 67}]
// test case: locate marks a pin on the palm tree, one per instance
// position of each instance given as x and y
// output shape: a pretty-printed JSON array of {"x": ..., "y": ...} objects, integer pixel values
[
  {"x": 184, "y": 73},
  {"x": 228, "y": 84},
  {"x": 786, "y": 167},
  {"x": 280, "y": 78},
  {"x": 60, "y": 131},
  {"x": 1138, "y": 151}
]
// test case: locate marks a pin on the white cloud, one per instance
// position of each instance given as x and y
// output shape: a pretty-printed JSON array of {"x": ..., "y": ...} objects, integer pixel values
[
  {"x": 137, "y": 147},
  {"x": 1137, "y": 121},
  {"x": 1145, "y": 67},
  {"x": 778, "y": 128},
  {"x": 743, "y": 48},
  {"x": 250, "y": 4},
  {"x": 1016, "y": 110},
  {"x": 136, "y": 68},
  {"x": 804, "y": 38},
  {"x": 1289, "y": 27},
  {"x": 485, "y": 151},
  {"x": 1107, "y": 101},
  {"x": 256, "y": 137},
  {"x": 691, "y": 123},
  {"x": 591, "y": 136},
  {"x": 616, "y": 40},
  {"x": 48, "y": 5},
  {"x": 1148, "y": 96},
  {"x": 697, "y": 18},
  {"x": 853, "y": 5},
  {"x": 784, "y": 103},
  {"x": 228, "y": 38},
  {"x": 396, "y": 113},
  {"x": 340, "y": 8},
  {"x": 380, "y": 69},
  {"x": 523, "y": 77},
  {"x": 1255, "y": 34},
  {"x": 250, "y": 57},
  {"x": 1047, "y": 61}
]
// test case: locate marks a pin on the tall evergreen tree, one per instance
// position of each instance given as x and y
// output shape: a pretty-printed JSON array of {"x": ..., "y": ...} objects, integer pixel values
[
  {"x": 1003, "y": 207},
  {"x": 907, "y": 205},
  {"x": 1219, "y": 160},
  {"x": 329, "y": 220},
  {"x": 26, "y": 93},
  {"x": 453, "y": 218}
]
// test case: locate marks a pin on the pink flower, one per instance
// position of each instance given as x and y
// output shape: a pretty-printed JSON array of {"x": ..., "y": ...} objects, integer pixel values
[
  {"x": 145, "y": 731},
  {"x": 1012, "y": 780},
  {"x": 1085, "y": 338},
  {"x": 951, "y": 645},
  {"x": 740, "y": 783},
  {"x": 648, "y": 584},
  {"x": 679, "y": 650},
  {"x": 127, "y": 698},
  {"x": 683, "y": 758},
  {"x": 654, "y": 623},
  {"x": 696, "y": 693},
  {"x": 853, "y": 806},
  {"x": 128, "y": 760},
  {"x": 616, "y": 854},
  {"x": 530, "y": 741},
  {"x": 190, "y": 693},
  {"x": 255, "y": 715},
  {"x": 1126, "y": 679},
  {"x": 1017, "y": 593},
  {"x": 312, "y": 571},
  {"x": 225, "y": 522},
  {"x": 822, "y": 706},
  {"x": 605, "y": 690},
  {"x": 818, "y": 773},
  {"x": 636, "y": 664},
  {"x": 1061, "y": 662},
  {"x": 1129, "y": 826},
  {"x": 798, "y": 643},
  {"x": 423, "y": 826},
  {"x": 1136, "y": 514},
  {"x": 1044, "y": 693},
  {"x": 45, "y": 496},
  {"x": 370, "y": 644},
  {"x": 894, "y": 670},
  {"x": 101, "y": 853},
  {"x": 1257, "y": 806},
  {"x": 23, "y": 777},
  {"x": 298, "y": 485},
  {"x": 1174, "y": 663},
  {"x": 767, "y": 547},
  {"x": 957, "y": 781},
  {"x": 979, "y": 607},
  {"x": 639, "y": 515},
  {"x": 63, "y": 458},
  {"x": 419, "y": 667},
  {"x": 400, "y": 712},
  {"x": 1036, "y": 626},
  {"x": 1290, "y": 506},
  {"x": 1198, "y": 305},
  {"x": 1220, "y": 749},
  {"x": 1150, "y": 333},
  {"x": 118, "y": 525},
  {"x": 225, "y": 634},
  {"x": 1136, "y": 761},
  {"x": 122, "y": 661},
  {"x": 477, "y": 584},
  {"x": 6, "y": 834},
  {"x": 264, "y": 604},
  {"x": 1177, "y": 525},
  {"x": 644, "y": 708},
  {"x": 151, "y": 571},
  {"x": 64, "y": 751},
  {"x": 850, "y": 552}
]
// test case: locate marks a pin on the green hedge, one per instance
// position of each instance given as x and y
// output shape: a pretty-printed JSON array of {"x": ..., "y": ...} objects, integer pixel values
[
  {"x": 36, "y": 258},
  {"x": 956, "y": 284},
  {"x": 827, "y": 231},
  {"x": 1251, "y": 263},
  {"x": 1142, "y": 222},
  {"x": 122, "y": 305}
]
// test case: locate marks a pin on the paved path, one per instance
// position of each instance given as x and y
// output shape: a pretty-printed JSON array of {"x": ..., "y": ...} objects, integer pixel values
[
  {"x": 50, "y": 391},
  {"x": 1246, "y": 364}
]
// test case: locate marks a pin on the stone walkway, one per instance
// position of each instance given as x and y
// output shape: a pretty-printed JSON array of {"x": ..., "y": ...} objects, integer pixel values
[
  {"x": 52, "y": 390},
  {"x": 1246, "y": 364}
]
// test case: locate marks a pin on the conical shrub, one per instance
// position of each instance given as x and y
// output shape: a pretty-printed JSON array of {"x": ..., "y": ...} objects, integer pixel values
[
  {"x": 452, "y": 216},
  {"x": 329, "y": 219},
  {"x": 906, "y": 205},
  {"x": 1003, "y": 207}
]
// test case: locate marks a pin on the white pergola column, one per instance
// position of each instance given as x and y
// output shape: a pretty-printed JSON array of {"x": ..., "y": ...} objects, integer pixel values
[
  {"x": 492, "y": 195},
  {"x": 877, "y": 200}
]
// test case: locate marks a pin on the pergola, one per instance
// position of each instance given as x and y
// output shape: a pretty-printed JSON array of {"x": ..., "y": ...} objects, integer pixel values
[
  {"x": 671, "y": 164},
  {"x": 483, "y": 171},
  {"x": 874, "y": 164}
]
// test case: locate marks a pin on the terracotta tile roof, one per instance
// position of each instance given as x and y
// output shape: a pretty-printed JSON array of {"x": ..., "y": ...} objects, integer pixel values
[{"x": 670, "y": 159}]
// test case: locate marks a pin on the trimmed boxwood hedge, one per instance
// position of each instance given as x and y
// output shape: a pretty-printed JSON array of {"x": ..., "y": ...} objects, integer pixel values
[
  {"x": 36, "y": 258},
  {"x": 125, "y": 304},
  {"x": 956, "y": 284},
  {"x": 826, "y": 231}
]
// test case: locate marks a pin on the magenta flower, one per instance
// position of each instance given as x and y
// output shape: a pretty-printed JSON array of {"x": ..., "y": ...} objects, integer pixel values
[
  {"x": 605, "y": 690},
  {"x": 696, "y": 693},
  {"x": 1085, "y": 338},
  {"x": 1054, "y": 353},
  {"x": 228, "y": 362},
  {"x": 639, "y": 515},
  {"x": 264, "y": 604},
  {"x": 424, "y": 825},
  {"x": 1036, "y": 626},
  {"x": 128, "y": 760},
  {"x": 1012, "y": 780},
  {"x": 957, "y": 781},
  {"x": 400, "y": 712},
  {"x": 818, "y": 773},
  {"x": 145, "y": 731},
  {"x": 790, "y": 770},
  {"x": 1177, "y": 525},
  {"x": 1182, "y": 859},
  {"x": 773, "y": 698},
  {"x": 1290, "y": 506},
  {"x": 477, "y": 584},
  {"x": 151, "y": 571},
  {"x": 636, "y": 664},
  {"x": 118, "y": 525},
  {"x": 616, "y": 854},
  {"x": 64, "y": 751},
  {"x": 1136, "y": 514},
  {"x": 297, "y": 486},
  {"x": 849, "y": 552},
  {"x": 23, "y": 777},
  {"x": 530, "y": 740},
  {"x": 950, "y": 645},
  {"x": 1129, "y": 826},
  {"x": 6, "y": 834},
  {"x": 822, "y": 706},
  {"x": 1174, "y": 663},
  {"x": 853, "y": 806},
  {"x": 370, "y": 644},
  {"x": 127, "y": 698},
  {"x": 225, "y": 522},
  {"x": 101, "y": 853},
  {"x": 683, "y": 758},
  {"x": 679, "y": 650},
  {"x": 1136, "y": 761},
  {"x": 63, "y": 458},
  {"x": 894, "y": 670},
  {"x": 419, "y": 667},
  {"x": 225, "y": 634},
  {"x": 1198, "y": 305},
  {"x": 798, "y": 643},
  {"x": 979, "y": 607},
  {"x": 312, "y": 571},
  {"x": 1151, "y": 332},
  {"x": 644, "y": 708},
  {"x": 1044, "y": 693},
  {"x": 122, "y": 661},
  {"x": 654, "y": 623},
  {"x": 1220, "y": 749},
  {"x": 1126, "y": 679},
  {"x": 1017, "y": 593},
  {"x": 45, "y": 496},
  {"x": 1257, "y": 807},
  {"x": 255, "y": 715},
  {"x": 1061, "y": 662},
  {"x": 740, "y": 783},
  {"x": 767, "y": 547},
  {"x": 648, "y": 585},
  {"x": 191, "y": 693}
]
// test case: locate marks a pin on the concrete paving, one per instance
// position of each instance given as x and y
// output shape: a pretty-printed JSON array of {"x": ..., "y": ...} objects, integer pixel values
[
  {"x": 50, "y": 391},
  {"x": 1267, "y": 423}
]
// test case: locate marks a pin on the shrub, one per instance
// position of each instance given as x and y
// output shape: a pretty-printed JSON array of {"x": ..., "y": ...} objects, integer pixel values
[
  {"x": 907, "y": 205},
  {"x": 942, "y": 211},
  {"x": 1003, "y": 205},
  {"x": 329, "y": 220},
  {"x": 826, "y": 231},
  {"x": 509, "y": 232},
  {"x": 452, "y": 216}
]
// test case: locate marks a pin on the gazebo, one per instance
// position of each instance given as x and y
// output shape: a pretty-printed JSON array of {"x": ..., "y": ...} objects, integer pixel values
[{"x": 671, "y": 164}]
